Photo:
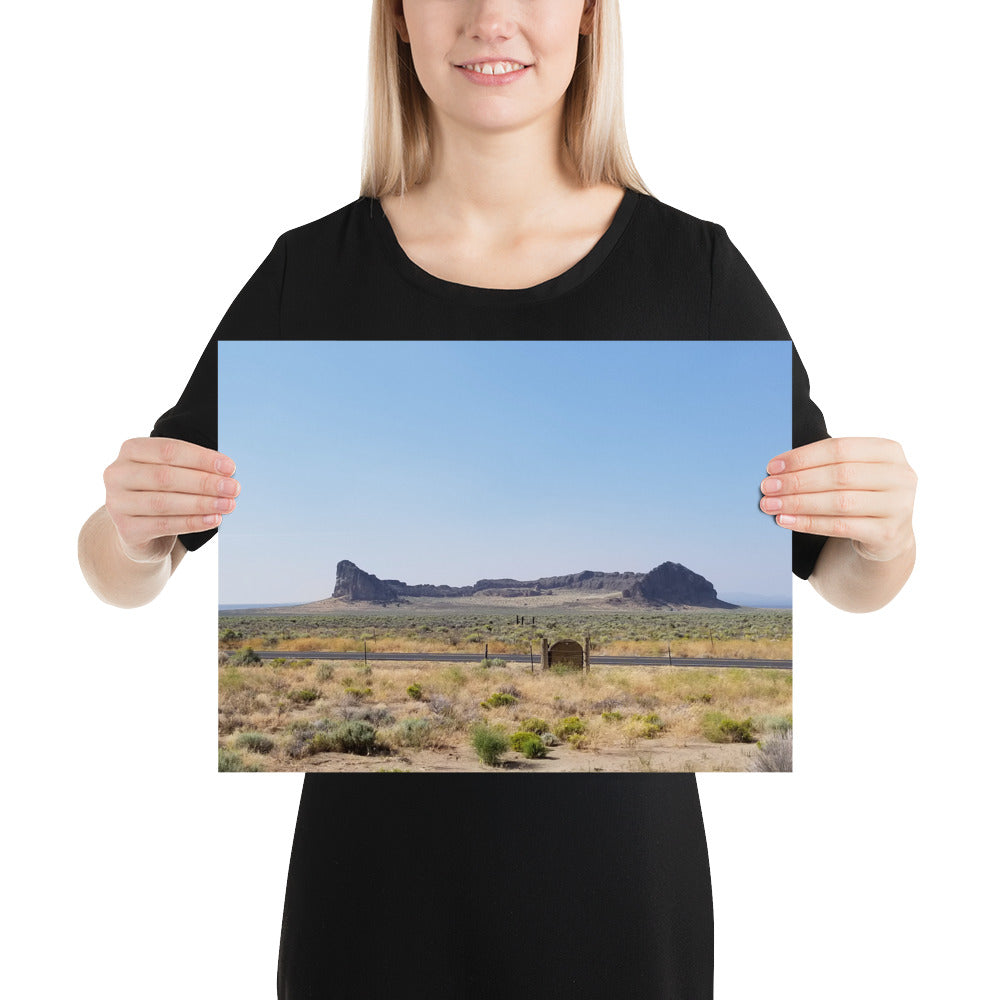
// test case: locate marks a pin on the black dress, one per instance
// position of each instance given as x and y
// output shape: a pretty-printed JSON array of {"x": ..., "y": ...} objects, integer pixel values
[{"x": 583, "y": 886}]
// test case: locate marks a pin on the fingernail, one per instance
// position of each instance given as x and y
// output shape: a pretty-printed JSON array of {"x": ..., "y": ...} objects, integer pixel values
[
  {"x": 229, "y": 487},
  {"x": 786, "y": 519},
  {"x": 771, "y": 485},
  {"x": 210, "y": 519},
  {"x": 225, "y": 466},
  {"x": 775, "y": 466},
  {"x": 771, "y": 504}
]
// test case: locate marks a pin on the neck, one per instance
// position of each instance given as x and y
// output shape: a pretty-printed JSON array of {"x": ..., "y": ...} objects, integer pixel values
[{"x": 498, "y": 180}]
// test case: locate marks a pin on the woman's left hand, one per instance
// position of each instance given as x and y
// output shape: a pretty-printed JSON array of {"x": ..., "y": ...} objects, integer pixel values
[{"x": 851, "y": 487}]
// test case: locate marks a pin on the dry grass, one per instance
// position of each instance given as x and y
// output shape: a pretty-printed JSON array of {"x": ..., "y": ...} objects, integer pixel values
[
  {"x": 395, "y": 644},
  {"x": 261, "y": 698},
  {"x": 744, "y": 649}
]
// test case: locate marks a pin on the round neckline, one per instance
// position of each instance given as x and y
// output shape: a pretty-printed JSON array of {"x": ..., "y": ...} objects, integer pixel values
[{"x": 562, "y": 283}]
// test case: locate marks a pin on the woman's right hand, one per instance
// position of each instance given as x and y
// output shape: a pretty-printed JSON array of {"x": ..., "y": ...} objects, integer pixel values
[{"x": 159, "y": 488}]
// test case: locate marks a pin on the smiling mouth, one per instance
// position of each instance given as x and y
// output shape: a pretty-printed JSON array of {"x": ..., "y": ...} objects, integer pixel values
[{"x": 493, "y": 68}]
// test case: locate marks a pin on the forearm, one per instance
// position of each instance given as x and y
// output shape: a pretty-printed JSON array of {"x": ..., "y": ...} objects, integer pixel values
[
  {"x": 852, "y": 583},
  {"x": 113, "y": 576}
]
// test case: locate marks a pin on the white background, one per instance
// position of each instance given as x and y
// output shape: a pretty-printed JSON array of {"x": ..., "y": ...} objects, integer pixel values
[{"x": 155, "y": 152}]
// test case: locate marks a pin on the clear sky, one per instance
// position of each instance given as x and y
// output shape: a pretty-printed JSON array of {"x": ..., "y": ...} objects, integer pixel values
[{"x": 448, "y": 461}]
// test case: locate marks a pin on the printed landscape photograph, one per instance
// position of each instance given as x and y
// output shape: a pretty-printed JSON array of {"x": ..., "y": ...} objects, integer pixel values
[{"x": 504, "y": 557}]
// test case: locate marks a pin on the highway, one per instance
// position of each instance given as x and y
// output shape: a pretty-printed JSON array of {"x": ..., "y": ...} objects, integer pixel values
[{"x": 595, "y": 661}]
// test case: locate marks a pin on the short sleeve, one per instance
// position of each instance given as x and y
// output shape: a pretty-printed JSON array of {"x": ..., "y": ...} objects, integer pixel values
[
  {"x": 741, "y": 309},
  {"x": 255, "y": 314}
]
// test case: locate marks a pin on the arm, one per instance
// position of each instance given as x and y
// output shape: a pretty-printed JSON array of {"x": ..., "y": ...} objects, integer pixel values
[
  {"x": 115, "y": 577},
  {"x": 859, "y": 492},
  {"x": 853, "y": 583}
]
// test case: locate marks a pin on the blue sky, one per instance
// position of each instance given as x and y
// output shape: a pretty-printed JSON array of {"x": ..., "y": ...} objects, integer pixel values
[{"x": 449, "y": 461}]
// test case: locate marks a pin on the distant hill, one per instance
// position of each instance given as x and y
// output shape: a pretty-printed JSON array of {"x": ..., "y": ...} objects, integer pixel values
[{"x": 668, "y": 584}]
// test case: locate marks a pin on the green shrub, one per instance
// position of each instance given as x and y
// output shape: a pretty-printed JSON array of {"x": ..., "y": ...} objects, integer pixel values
[
  {"x": 738, "y": 731},
  {"x": 528, "y": 744},
  {"x": 497, "y": 699},
  {"x": 535, "y": 725},
  {"x": 325, "y": 735},
  {"x": 413, "y": 732},
  {"x": 322, "y": 742},
  {"x": 377, "y": 715},
  {"x": 304, "y": 696},
  {"x": 572, "y": 725},
  {"x": 255, "y": 742},
  {"x": 245, "y": 657},
  {"x": 650, "y": 724},
  {"x": 232, "y": 760},
  {"x": 704, "y": 696},
  {"x": 493, "y": 661},
  {"x": 415, "y": 691},
  {"x": 324, "y": 671},
  {"x": 356, "y": 736},
  {"x": 719, "y": 728},
  {"x": 357, "y": 692},
  {"x": 490, "y": 742},
  {"x": 612, "y": 716}
]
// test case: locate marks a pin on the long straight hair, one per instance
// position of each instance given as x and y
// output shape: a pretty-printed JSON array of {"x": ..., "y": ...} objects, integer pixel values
[{"x": 397, "y": 141}]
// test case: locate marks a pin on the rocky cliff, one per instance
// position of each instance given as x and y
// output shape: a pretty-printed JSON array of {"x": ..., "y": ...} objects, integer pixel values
[
  {"x": 356, "y": 585},
  {"x": 668, "y": 583},
  {"x": 672, "y": 583}
]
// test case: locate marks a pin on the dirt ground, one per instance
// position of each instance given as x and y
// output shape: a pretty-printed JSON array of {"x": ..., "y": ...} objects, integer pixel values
[{"x": 658, "y": 754}]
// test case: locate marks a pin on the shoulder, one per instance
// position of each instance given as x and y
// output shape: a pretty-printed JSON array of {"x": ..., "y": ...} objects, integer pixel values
[
  {"x": 334, "y": 226},
  {"x": 677, "y": 239},
  {"x": 670, "y": 223},
  {"x": 340, "y": 242},
  {"x": 665, "y": 240}
]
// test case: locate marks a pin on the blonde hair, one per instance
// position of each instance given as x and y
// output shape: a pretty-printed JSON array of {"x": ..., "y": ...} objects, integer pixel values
[{"x": 397, "y": 142}]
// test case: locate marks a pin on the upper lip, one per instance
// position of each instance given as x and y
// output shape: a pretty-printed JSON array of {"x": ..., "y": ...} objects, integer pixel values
[{"x": 492, "y": 59}]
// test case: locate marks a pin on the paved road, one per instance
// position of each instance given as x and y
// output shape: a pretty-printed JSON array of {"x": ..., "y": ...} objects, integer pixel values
[{"x": 597, "y": 661}]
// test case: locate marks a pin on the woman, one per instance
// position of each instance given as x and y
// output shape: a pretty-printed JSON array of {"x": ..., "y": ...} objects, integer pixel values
[{"x": 495, "y": 205}]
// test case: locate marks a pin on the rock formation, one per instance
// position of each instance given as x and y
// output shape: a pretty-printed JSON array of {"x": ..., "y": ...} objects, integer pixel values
[
  {"x": 672, "y": 583},
  {"x": 355, "y": 584},
  {"x": 668, "y": 583}
]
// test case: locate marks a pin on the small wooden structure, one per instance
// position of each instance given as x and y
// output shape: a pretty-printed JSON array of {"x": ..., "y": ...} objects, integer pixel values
[{"x": 567, "y": 653}]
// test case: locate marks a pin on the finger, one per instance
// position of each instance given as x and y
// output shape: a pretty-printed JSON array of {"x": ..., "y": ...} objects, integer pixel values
[
  {"x": 174, "y": 452},
  {"x": 866, "y": 530},
  {"x": 153, "y": 503},
  {"x": 881, "y": 538},
  {"x": 841, "y": 503},
  {"x": 875, "y": 476},
  {"x": 141, "y": 477},
  {"x": 137, "y": 531},
  {"x": 833, "y": 451}
]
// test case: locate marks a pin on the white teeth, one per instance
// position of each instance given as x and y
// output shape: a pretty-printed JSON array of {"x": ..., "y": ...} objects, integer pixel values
[{"x": 495, "y": 69}]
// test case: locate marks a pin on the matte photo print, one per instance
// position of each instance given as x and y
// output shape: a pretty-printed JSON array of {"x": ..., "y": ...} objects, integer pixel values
[{"x": 504, "y": 557}]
